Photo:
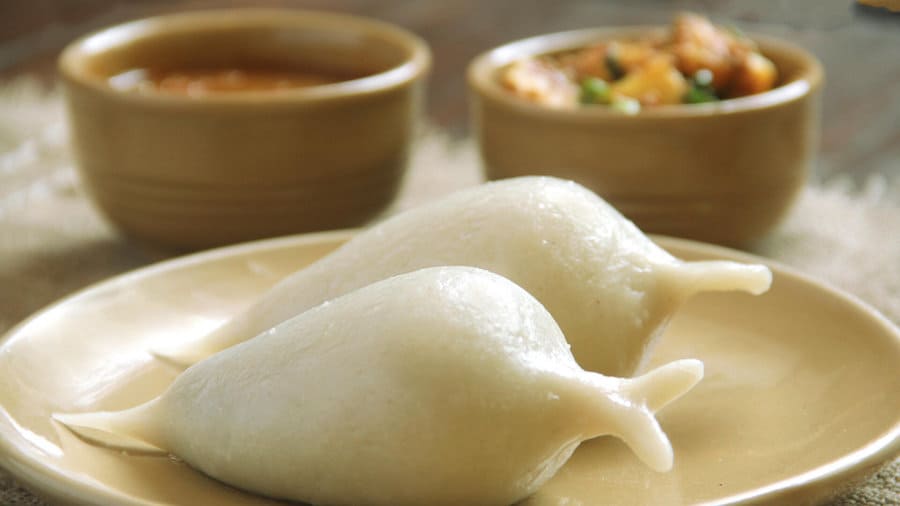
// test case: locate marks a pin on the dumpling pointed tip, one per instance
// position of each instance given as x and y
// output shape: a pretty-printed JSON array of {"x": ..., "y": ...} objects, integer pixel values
[
  {"x": 71, "y": 419},
  {"x": 115, "y": 430},
  {"x": 84, "y": 424},
  {"x": 180, "y": 357}
]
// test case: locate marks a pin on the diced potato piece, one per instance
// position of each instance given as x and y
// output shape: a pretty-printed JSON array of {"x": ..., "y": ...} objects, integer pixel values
[
  {"x": 629, "y": 56},
  {"x": 657, "y": 82}
]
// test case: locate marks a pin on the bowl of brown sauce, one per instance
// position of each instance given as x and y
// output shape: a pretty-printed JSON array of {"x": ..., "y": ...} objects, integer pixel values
[
  {"x": 693, "y": 130},
  {"x": 213, "y": 127}
]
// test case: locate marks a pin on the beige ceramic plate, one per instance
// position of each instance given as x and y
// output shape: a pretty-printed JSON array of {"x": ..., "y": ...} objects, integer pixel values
[{"x": 800, "y": 395}]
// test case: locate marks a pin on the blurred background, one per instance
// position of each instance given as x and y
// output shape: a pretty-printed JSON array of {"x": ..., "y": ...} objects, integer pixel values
[{"x": 857, "y": 44}]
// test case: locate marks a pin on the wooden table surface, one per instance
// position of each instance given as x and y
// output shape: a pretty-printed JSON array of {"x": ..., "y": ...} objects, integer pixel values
[{"x": 859, "y": 47}]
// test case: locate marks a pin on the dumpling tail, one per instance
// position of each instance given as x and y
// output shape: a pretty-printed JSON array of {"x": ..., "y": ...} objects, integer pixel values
[
  {"x": 665, "y": 384},
  {"x": 629, "y": 409},
  {"x": 720, "y": 276},
  {"x": 642, "y": 433},
  {"x": 136, "y": 429},
  {"x": 647, "y": 394}
]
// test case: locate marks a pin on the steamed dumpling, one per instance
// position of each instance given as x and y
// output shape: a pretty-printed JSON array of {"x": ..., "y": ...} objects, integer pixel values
[
  {"x": 607, "y": 285},
  {"x": 443, "y": 386}
]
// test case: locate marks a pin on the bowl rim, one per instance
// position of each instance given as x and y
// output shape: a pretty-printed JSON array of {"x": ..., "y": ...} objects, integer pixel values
[
  {"x": 481, "y": 78},
  {"x": 415, "y": 66}
]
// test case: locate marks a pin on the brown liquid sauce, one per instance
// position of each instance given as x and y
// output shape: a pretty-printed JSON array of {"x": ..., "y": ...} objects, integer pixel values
[{"x": 199, "y": 82}]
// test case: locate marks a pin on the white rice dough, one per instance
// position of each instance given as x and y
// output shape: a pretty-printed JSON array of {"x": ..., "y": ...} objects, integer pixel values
[
  {"x": 444, "y": 386},
  {"x": 607, "y": 285}
]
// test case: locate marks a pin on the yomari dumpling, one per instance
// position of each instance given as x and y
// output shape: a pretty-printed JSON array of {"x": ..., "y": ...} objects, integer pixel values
[
  {"x": 607, "y": 285},
  {"x": 444, "y": 386}
]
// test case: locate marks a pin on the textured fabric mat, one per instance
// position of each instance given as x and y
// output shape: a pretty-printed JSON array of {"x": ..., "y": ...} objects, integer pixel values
[{"x": 52, "y": 242}]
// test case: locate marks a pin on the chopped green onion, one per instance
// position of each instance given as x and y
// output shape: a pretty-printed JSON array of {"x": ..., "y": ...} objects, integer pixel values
[
  {"x": 625, "y": 105},
  {"x": 699, "y": 95},
  {"x": 701, "y": 89},
  {"x": 594, "y": 91}
]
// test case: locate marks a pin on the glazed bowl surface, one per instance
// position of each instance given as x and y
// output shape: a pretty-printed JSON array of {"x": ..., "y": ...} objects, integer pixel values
[
  {"x": 199, "y": 170},
  {"x": 724, "y": 172}
]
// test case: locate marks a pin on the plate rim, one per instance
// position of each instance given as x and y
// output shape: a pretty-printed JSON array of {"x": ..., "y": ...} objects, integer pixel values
[{"x": 50, "y": 482}]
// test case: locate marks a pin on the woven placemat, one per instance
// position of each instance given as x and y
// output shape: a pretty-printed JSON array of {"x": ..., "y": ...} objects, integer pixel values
[{"x": 52, "y": 242}]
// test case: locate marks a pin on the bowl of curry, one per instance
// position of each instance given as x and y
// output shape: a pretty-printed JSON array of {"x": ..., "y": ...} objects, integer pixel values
[
  {"x": 694, "y": 130},
  {"x": 212, "y": 127}
]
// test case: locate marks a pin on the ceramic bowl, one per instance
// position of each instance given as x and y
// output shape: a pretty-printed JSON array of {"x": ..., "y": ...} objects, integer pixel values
[
  {"x": 724, "y": 172},
  {"x": 198, "y": 171}
]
